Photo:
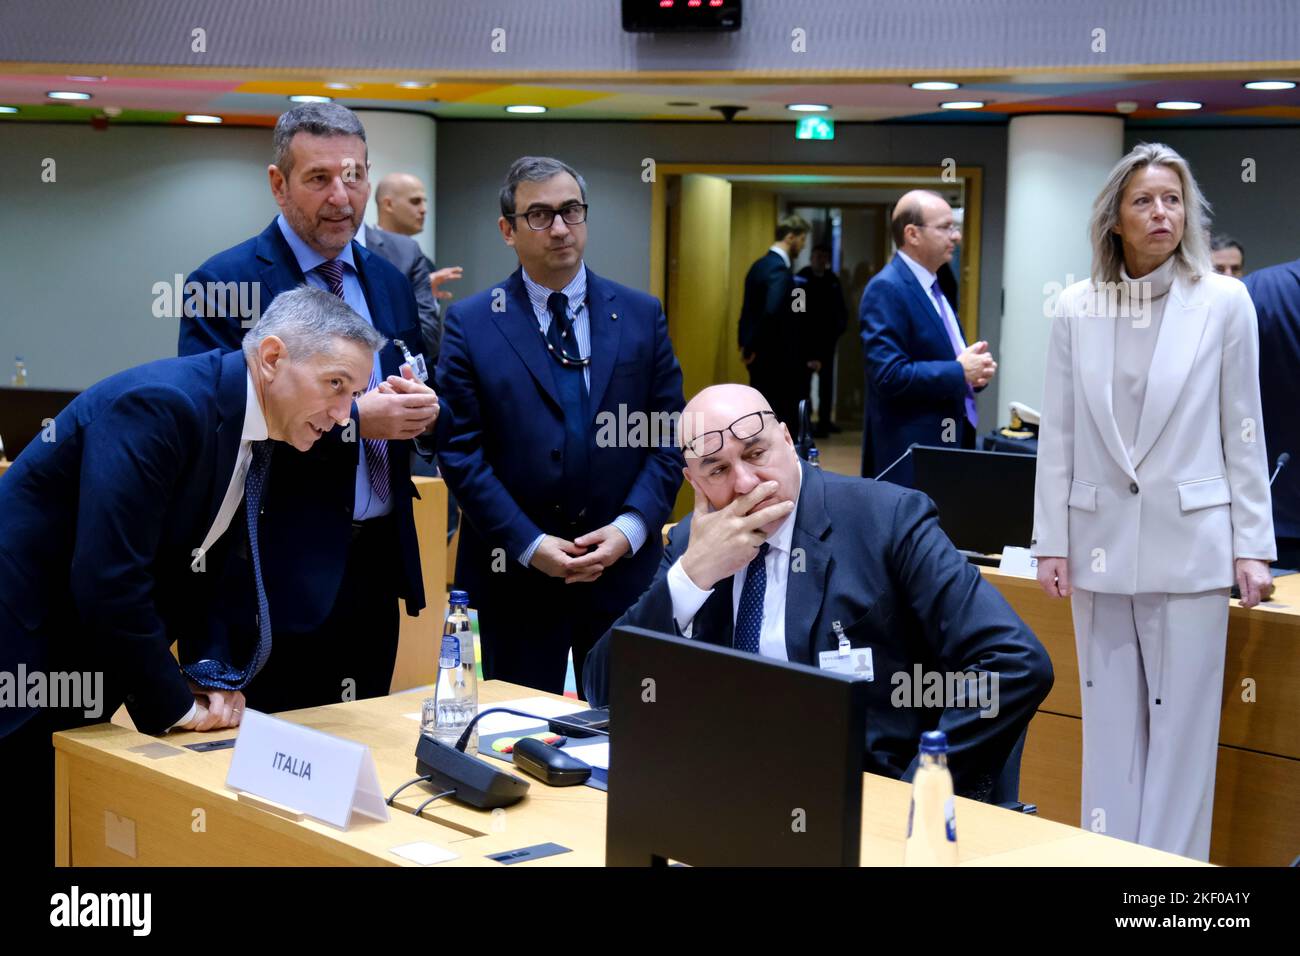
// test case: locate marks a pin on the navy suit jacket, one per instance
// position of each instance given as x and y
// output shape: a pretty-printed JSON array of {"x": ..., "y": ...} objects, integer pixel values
[
  {"x": 876, "y": 560},
  {"x": 914, "y": 382},
  {"x": 766, "y": 304},
  {"x": 1276, "y": 294},
  {"x": 307, "y": 513},
  {"x": 100, "y": 529},
  {"x": 500, "y": 445}
]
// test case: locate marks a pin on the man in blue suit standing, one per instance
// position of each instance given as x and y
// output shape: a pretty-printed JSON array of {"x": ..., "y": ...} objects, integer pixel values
[
  {"x": 1276, "y": 294},
  {"x": 559, "y": 440},
  {"x": 343, "y": 548},
  {"x": 921, "y": 375},
  {"x": 134, "y": 522}
]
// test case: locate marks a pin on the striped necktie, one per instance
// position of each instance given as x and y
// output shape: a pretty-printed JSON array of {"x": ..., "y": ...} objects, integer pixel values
[{"x": 376, "y": 449}]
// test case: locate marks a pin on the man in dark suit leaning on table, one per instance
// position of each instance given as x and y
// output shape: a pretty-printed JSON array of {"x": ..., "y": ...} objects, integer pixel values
[
  {"x": 777, "y": 553},
  {"x": 126, "y": 528}
]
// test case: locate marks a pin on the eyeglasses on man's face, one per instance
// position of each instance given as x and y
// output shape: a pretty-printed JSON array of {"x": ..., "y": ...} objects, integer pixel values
[
  {"x": 743, "y": 428},
  {"x": 542, "y": 217},
  {"x": 951, "y": 228}
]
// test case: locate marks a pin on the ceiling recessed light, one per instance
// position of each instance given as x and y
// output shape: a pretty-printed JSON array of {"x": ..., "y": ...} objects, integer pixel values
[
  {"x": 524, "y": 108},
  {"x": 67, "y": 95},
  {"x": 201, "y": 118},
  {"x": 962, "y": 105},
  {"x": 807, "y": 107},
  {"x": 88, "y": 79},
  {"x": 1126, "y": 106},
  {"x": 340, "y": 86},
  {"x": 936, "y": 85},
  {"x": 8, "y": 109},
  {"x": 310, "y": 98},
  {"x": 1269, "y": 85},
  {"x": 414, "y": 85},
  {"x": 1178, "y": 105}
]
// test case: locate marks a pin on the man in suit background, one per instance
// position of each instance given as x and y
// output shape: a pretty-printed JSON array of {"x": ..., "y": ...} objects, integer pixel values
[
  {"x": 1228, "y": 256},
  {"x": 1276, "y": 294},
  {"x": 921, "y": 375},
  {"x": 344, "y": 548},
  {"x": 776, "y": 553},
  {"x": 402, "y": 202},
  {"x": 773, "y": 342},
  {"x": 558, "y": 442},
  {"x": 829, "y": 318},
  {"x": 120, "y": 526},
  {"x": 405, "y": 255}
]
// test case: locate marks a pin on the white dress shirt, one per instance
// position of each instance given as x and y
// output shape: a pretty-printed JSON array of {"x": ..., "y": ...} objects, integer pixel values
[
  {"x": 780, "y": 251},
  {"x": 688, "y": 599},
  {"x": 254, "y": 430}
]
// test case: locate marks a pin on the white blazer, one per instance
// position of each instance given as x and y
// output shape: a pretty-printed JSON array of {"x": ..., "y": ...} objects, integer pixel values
[{"x": 1194, "y": 495}]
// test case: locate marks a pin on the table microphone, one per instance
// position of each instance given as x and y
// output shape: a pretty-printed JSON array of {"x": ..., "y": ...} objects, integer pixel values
[
  {"x": 1282, "y": 459},
  {"x": 896, "y": 461}
]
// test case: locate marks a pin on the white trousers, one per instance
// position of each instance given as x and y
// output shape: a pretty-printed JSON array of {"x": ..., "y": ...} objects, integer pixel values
[{"x": 1151, "y": 674}]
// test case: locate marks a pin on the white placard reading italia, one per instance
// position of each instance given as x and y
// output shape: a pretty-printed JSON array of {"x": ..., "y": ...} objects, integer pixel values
[{"x": 323, "y": 776}]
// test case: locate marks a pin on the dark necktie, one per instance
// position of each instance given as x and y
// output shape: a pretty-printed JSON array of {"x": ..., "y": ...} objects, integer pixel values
[
  {"x": 749, "y": 616},
  {"x": 376, "y": 449},
  {"x": 958, "y": 346},
  {"x": 219, "y": 674},
  {"x": 571, "y": 386}
]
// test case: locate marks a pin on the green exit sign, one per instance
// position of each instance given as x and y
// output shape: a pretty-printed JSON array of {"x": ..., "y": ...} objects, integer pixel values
[{"x": 814, "y": 127}]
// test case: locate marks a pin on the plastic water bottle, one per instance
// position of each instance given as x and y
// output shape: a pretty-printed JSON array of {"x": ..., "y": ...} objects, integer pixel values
[
  {"x": 814, "y": 459},
  {"x": 19, "y": 379},
  {"x": 455, "y": 696},
  {"x": 931, "y": 821}
]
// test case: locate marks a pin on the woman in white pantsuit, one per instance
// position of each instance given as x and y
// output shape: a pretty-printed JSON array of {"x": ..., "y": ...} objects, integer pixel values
[{"x": 1152, "y": 497}]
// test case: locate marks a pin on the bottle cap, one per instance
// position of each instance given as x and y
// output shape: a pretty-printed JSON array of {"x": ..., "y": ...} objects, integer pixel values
[
  {"x": 934, "y": 742},
  {"x": 459, "y": 597}
]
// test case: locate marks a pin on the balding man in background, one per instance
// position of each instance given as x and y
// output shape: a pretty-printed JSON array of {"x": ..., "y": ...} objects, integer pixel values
[
  {"x": 403, "y": 202},
  {"x": 921, "y": 375},
  {"x": 778, "y": 555}
]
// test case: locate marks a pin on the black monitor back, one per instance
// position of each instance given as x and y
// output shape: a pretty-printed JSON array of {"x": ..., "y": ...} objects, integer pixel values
[
  {"x": 724, "y": 758},
  {"x": 24, "y": 411},
  {"x": 985, "y": 498}
]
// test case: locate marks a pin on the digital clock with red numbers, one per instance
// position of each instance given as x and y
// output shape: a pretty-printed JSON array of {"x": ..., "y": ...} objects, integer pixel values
[{"x": 655, "y": 16}]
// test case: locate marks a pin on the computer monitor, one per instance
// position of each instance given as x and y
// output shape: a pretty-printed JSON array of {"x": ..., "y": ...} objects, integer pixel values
[
  {"x": 24, "y": 411},
  {"x": 725, "y": 758},
  {"x": 985, "y": 498}
]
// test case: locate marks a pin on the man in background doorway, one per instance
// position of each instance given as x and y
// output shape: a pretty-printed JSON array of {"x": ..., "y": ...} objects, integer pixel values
[
  {"x": 772, "y": 343},
  {"x": 921, "y": 375},
  {"x": 829, "y": 318}
]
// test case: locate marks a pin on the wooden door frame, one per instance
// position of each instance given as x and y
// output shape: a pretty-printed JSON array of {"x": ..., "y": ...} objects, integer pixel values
[{"x": 971, "y": 178}]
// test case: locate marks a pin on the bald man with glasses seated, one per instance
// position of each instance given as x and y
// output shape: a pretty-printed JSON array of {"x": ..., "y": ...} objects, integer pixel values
[{"x": 779, "y": 559}]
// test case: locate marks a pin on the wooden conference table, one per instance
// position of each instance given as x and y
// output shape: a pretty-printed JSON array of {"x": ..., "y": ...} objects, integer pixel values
[{"x": 169, "y": 806}]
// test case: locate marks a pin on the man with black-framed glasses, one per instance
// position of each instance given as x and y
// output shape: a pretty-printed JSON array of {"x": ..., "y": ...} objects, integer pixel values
[
  {"x": 799, "y": 564},
  {"x": 562, "y": 448}
]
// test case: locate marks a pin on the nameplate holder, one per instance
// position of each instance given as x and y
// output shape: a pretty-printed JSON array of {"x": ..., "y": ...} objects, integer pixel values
[
  {"x": 1018, "y": 561},
  {"x": 288, "y": 769}
]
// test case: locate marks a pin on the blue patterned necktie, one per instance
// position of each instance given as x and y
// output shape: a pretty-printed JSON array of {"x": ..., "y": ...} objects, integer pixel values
[
  {"x": 376, "y": 449},
  {"x": 218, "y": 674},
  {"x": 571, "y": 386},
  {"x": 749, "y": 617}
]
